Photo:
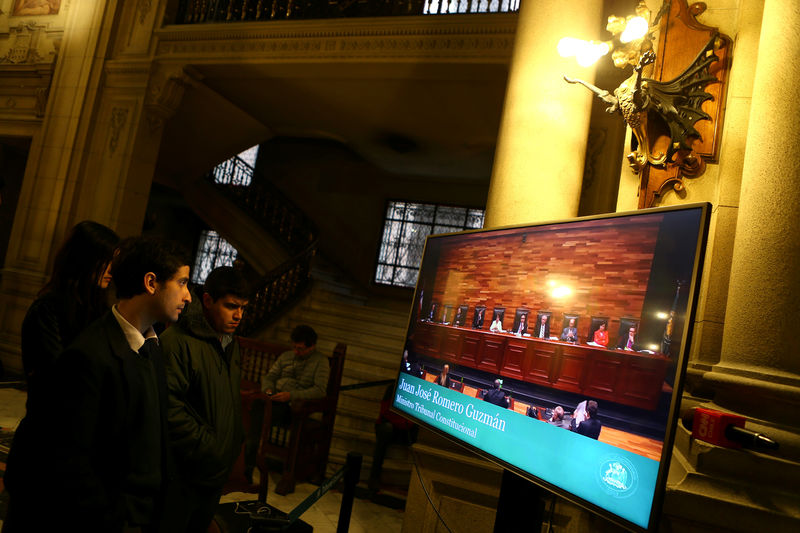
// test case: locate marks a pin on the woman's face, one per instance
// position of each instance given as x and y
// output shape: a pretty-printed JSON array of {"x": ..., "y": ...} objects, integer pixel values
[{"x": 105, "y": 279}]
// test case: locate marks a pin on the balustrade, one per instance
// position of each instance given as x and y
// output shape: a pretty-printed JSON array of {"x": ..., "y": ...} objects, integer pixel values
[
  {"x": 268, "y": 206},
  {"x": 204, "y": 11}
]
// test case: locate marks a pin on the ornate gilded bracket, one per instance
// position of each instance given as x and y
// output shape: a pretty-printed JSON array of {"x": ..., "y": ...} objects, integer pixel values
[{"x": 673, "y": 101}]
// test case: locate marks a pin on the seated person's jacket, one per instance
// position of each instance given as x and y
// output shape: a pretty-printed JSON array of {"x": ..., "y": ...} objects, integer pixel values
[
  {"x": 590, "y": 428},
  {"x": 569, "y": 335},
  {"x": 306, "y": 378},
  {"x": 497, "y": 397}
]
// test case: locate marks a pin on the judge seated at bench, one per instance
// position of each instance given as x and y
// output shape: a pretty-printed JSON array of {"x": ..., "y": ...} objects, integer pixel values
[
  {"x": 601, "y": 335},
  {"x": 628, "y": 342},
  {"x": 522, "y": 327},
  {"x": 497, "y": 325},
  {"x": 543, "y": 328},
  {"x": 570, "y": 333}
]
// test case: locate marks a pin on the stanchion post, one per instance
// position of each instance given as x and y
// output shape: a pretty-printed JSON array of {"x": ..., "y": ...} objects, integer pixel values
[{"x": 351, "y": 476}]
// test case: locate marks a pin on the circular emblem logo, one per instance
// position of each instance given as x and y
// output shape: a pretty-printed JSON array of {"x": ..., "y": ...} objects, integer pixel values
[{"x": 618, "y": 477}]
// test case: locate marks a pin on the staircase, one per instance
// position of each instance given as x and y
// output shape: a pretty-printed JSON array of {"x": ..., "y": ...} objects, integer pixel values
[{"x": 245, "y": 210}]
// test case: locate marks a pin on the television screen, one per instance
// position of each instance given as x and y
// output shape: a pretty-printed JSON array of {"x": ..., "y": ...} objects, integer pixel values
[{"x": 580, "y": 395}]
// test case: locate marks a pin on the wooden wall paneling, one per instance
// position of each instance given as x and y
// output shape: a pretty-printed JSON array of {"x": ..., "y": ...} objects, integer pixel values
[
  {"x": 541, "y": 360},
  {"x": 514, "y": 359},
  {"x": 628, "y": 378},
  {"x": 571, "y": 369},
  {"x": 469, "y": 349},
  {"x": 642, "y": 380},
  {"x": 490, "y": 355},
  {"x": 451, "y": 345},
  {"x": 426, "y": 339},
  {"x": 605, "y": 369}
]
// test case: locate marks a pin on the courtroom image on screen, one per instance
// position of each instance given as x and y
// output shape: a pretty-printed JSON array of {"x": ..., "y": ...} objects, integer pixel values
[{"x": 590, "y": 362}]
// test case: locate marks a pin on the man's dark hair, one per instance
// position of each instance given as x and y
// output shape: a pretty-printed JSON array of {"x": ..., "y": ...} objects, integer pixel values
[
  {"x": 497, "y": 384},
  {"x": 591, "y": 408},
  {"x": 304, "y": 334},
  {"x": 224, "y": 281},
  {"x": 139, "y": 255}
]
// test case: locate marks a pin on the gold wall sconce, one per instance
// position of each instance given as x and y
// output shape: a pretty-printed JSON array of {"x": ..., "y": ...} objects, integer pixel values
[{"x": 674, "y": 100}]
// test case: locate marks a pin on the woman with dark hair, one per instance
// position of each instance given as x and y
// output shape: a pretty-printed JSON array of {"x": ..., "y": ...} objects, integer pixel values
[{"x": 73, "y": 298}]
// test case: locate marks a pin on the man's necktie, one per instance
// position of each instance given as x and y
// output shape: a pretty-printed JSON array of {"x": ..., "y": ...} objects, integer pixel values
[{"x": 149, "y": 347}]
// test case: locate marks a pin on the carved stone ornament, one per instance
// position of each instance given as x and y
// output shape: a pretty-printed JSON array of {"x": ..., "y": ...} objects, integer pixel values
[
  {"x": 142, "y": 9},
  {"x": 26, "y": 39},
  {"x": 119, "y": 116},
  {"x": 164, "y": 96}
]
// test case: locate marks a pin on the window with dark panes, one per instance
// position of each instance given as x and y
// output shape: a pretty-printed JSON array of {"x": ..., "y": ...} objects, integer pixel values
[
  {"x": 213, "y": 251},
  {"x": 406, "y": 226}
]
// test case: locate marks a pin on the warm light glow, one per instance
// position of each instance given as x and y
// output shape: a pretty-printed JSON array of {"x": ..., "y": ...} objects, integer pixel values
[
  {"x": 654, "y": 347},
  {"x": 635, "y": 29},
  {"x": 662, "y": 315},
  {"x": 561, "y": 292},
  {"x": 591, "y": 52},
  {"x": 551, "y": 283},
  {"x": 586, "y": 53},
  {"x": 568, "y": 46}
]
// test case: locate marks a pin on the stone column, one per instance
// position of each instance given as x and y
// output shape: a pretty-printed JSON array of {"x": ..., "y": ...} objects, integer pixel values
[
  {"x": 95, "y": 154},
  {"x": 758, "y": 374},
  {"x": 41, "y": 221},
  {"x": 538, "y": 165},
  {"x": 760, "y": 344}
]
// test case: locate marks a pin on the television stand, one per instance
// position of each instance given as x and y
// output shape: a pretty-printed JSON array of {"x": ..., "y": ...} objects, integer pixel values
[{"x": 520, "y": 508}]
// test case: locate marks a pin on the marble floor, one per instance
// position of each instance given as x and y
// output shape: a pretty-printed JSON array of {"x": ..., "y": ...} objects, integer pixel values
[{"x": 322, "y": 516}]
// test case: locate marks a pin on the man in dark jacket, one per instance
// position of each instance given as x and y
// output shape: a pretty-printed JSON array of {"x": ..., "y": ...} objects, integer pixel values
[
  {"x": 590, "y": 426},
  {"x": 205, "y": 417},
  {"x": 109, "y": 462},
  {"x": 496, "y": 395}
]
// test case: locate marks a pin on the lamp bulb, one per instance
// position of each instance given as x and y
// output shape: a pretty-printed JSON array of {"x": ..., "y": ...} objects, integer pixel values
[{"x": 635, "y": 29}]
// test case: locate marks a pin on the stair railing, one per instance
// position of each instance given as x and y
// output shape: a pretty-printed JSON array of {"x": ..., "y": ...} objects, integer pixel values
[
  {"x": 204, "y": 11},
  {"x": 285, "y": 285},
  {"x": 265, "y": 203}
]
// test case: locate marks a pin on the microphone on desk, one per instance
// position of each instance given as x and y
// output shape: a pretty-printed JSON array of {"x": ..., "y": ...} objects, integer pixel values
[{"x": 724, "y": 429}]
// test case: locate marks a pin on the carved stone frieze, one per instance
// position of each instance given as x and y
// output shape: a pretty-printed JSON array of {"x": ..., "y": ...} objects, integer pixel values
[
  {"x": 28, "y": 43},
  {"x": 407, "y": 37}
]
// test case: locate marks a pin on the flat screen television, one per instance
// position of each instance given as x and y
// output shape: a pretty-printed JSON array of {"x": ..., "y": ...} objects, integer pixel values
[{"x": 583, "y": 400}]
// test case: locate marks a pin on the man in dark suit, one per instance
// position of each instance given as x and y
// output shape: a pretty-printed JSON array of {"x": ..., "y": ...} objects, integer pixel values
[
  {"x": 111, "y": 458},
  {"x": 570, "y": 333},
  {"x": 543, "y": 328},
  {"x": 590, "y": 427},
  {"x": 522, "y": 325},
  {"x": 496, "y": 395},
  {"x": 628, "y": 342}
]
